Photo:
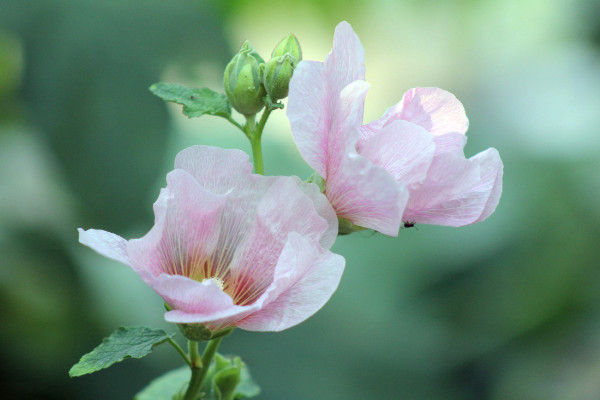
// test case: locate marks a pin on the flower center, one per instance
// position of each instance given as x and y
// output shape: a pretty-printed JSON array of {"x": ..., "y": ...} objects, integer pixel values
[{"x": 218, "y": 281}]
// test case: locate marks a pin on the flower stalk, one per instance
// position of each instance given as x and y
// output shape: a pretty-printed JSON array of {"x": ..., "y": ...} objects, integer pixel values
[
  {"x": 253, "y": 132},
  {"x": 199, "y": 366}
]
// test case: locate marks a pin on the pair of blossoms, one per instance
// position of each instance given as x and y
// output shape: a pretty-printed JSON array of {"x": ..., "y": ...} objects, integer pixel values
[{"x": 233, "y": 249}]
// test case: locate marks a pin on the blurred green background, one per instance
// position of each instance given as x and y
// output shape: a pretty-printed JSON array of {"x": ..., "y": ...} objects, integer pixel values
[{"x": 505, "y": 309}]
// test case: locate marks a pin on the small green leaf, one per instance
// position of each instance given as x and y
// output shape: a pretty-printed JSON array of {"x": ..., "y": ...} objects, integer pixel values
[
  {"x": 225, "y": 382},
  {"x": 195, "y": 102},
  {"x": 227, "y": 379},
  {"x": 171, "y": 385},
  {"x": 247, "y": 387},
  {"x": 220, "y": 362},
  {"x": 123, "y": 343}
]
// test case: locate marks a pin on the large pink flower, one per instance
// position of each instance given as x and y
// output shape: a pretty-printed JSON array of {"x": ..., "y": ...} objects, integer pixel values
[
  {"x": 229, "y": 248},
  {"x": 408, "y": 165}
]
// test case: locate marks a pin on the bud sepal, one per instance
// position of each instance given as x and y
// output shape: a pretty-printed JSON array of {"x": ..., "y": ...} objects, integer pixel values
[
  {"x": 278, "y": 73},
  {"x": 289, "y": 45}
]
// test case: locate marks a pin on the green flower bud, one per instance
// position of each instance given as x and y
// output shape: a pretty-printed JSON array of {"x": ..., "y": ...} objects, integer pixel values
[
  {"x": 242, "y": 81},
  {"x": 290, "y": 45},
  {"x": 278, "y": 73}
]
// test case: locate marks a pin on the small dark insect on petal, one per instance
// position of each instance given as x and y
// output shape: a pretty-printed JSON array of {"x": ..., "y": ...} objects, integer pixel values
[{"x": 409, "y": 224}]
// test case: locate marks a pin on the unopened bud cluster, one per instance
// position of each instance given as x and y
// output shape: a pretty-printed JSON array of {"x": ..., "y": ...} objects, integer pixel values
[{"x": 248, "y": 79}]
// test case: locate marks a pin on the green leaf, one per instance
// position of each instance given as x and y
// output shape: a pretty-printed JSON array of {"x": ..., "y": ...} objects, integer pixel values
[
  {"x": 225, "y": 382},
  {"x": 247, "y": 387},
  {"x": 195, "y": 102},
  {"x": 227, "y": 379},
  {"x": 171, "y": 385},
  {"x": 123, "y": 343}
]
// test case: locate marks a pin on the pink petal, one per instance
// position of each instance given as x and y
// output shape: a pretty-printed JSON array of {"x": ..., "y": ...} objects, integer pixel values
[
  {"x": 457, "y": 192},
  {"x": 324, "y": 209},
  {"x": 216, "y": 170},
  {"x": 254, "y": 261},
  {"x": 304, "y": 281},
  {"x": 310, "y": 106},
  {"x": 314, "y": 92},
  {"x": 367, "y": 195},
  {"x": 491, "y": 174},
  {"x": 196, "y": 302},
  {"x": 323, "y": 125},
  {"x": 346, "y": 61},
  {"x": 105, "y": 243},
  {"x": 403, "y": 149},
  {"x": 450, "y": 143},
  {"x": 299, "y": 214},
  {"x": 191, "y": 296},
  {"x": 186, "y": 229},
  {"x": 449, "y": 176},
  {"x": 436, "y": 110},
  {"x": 343, "y": 133}
]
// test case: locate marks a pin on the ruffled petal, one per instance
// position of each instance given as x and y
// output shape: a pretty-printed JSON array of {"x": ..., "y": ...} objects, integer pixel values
[
  {"x": 298, "y": 215},
  {"x": 450, "y": 143},
  {"x": 324, "y": 209},
  {"x": 491, "y": 175},
  {"x": 305, "y": 279},
  {"x": 216, "y": 170},
  {"x": 367, "y": 195},
  {"x": 436, "y": 110},
  {"x": 105, "y": 243},
  {"x": 457, "y": 192},
  {"x": 254, "y": 261},
  {"x": 403, "y": 149},
  {"x": 185, "y": 233}
]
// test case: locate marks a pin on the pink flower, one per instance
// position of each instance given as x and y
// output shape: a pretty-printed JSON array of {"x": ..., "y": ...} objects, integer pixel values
[
  {"x": 406, "y": 166},
  {"x": 229, "y": 248}
]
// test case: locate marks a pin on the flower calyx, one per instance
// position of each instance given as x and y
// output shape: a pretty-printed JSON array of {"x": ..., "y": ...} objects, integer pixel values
[
  {"x": 346, "y": 227},
  {"x": 200, "y": 333}
]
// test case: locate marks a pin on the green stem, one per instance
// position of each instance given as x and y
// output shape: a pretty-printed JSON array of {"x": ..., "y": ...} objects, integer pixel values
[
  {"x": 263, "y": 120},
  {"x": 257, "y": 156},
  {"x": 180, "y": 351},
  {"x": 235, "y": 123},
  {"x": 209, "y": 352},
  {"x": 256, "y": 144},
  {"x": 250, "y": 126},
  {"x": 194, "y": 356},
  {"x": 254, "y": 132},
  {"x": 200, "y": 366}
]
